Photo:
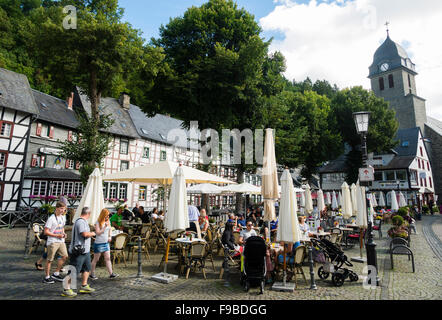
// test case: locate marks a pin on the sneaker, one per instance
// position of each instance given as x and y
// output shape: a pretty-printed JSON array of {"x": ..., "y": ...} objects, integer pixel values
[
  {"x": 48, "y": 280},
  {"x": 57, "y": 278},
  {"x": 69, "y": 293},
  {"x": 86, "y": 289},
  {"x": 114, "y": 275},
  {"x": 93, "y": 277}
]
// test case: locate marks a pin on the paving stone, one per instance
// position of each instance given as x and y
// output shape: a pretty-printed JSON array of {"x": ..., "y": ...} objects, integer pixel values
[{"x": 20, "y": 280}]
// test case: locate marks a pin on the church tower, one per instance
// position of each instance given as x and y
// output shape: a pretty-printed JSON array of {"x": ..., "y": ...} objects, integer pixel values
[{"x": 392, "y": 76}]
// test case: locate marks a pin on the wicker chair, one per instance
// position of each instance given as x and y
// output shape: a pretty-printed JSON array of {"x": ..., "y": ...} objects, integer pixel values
[
  {"x": 300, "y": 253},
  {"x": 119, "y": 246},
  {"x": 197, "y": 258}
]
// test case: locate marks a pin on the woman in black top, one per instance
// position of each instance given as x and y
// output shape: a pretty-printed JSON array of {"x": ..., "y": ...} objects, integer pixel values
[{"x": 228, "y": 238}]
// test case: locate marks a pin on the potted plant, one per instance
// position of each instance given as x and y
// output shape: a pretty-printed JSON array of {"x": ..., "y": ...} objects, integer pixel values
[
  {"x": 46, "y": 209},
  {"x": 425, "y": 210},
  {"x": 399, "y": 229}
]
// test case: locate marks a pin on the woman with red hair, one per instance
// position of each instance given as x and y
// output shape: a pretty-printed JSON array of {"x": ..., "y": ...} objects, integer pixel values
[{"x": 101, "y": 245}]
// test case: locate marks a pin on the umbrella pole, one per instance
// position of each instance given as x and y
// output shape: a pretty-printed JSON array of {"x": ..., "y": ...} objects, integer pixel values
[
  {"x": 166, "y": 258},
  {"x": 284, "y": 267}
]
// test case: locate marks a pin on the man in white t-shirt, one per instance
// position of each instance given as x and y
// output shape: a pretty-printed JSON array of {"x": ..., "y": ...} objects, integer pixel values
[
  {"x": 247, "y": 233},
  {"x": 55, "y": 243}
]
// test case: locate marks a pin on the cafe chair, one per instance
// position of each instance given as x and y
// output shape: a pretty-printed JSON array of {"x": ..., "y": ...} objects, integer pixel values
[
  {"x": 144, "y": 245},
  {"x": 173, "y": 247},
  {"x": 377, "y": 226},
  {"x": 38, "y": 230},
  {"x": 399, "y": 246},
  {"x": 197, "y": 258},
  {"x": 300, "y": 253},
  {"x": 118, "y": 249}
]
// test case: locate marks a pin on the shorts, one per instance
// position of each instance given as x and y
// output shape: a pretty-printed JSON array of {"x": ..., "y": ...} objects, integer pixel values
[
  {"x": 57, "y": 247},
  {"x": 101, "y": 247},
  {"x": 82, "y": 263}
]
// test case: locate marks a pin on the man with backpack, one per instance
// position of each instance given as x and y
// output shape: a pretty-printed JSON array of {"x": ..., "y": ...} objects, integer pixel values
[{"x": 79, "y": 251}]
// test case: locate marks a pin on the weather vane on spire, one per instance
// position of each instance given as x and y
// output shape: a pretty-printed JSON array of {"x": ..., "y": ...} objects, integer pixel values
[{"x": 387, "y": 24}]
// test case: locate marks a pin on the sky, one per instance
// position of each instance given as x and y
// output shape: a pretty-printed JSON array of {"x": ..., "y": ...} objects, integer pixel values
[{"x": 333, "y": 40}]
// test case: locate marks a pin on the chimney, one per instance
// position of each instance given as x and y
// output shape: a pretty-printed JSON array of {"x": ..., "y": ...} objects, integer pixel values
[
  {"x": 70, "y": 101},
  {"x": 125, "y": 100}
]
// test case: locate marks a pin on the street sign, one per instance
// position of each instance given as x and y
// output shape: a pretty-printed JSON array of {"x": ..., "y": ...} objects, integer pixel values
[{"x": 366, "y": 174}]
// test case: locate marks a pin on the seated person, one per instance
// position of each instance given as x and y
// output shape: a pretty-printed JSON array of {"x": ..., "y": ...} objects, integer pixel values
[
  {"x": 241, "y": 221},
  {"x": 233, "y": 219},
  {"x": 161, "y": 215},
  {"x": 290, "y": 252},
  {"x": 204, "y": 223},
  {"x": 154, "y": 214},
  {"x": 228, "y": 238},
  {"x": 116, "y": 219},
  {"x": 144, "y": 216},
  {"x": 136, "y": 210},
  {"x": 304, "y": 227},
  {"x": 247, "y": 233},
  {"x": 127, "y": 214}
]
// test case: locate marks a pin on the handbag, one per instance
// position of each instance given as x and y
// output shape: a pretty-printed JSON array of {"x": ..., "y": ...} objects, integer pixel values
[{"x": 79, "y": 249}]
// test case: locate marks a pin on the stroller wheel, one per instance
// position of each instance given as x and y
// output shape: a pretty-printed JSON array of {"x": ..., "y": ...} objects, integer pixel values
[
  {"x": 322, "y": 274},
  {"x": 354, "y": 277},
  {"x": 338, "y": 279},
  {"x": 262, "y": 287}
]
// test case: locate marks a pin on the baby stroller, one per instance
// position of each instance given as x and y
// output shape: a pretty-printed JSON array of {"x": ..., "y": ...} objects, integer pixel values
[
  {"x": 253, "y": 268},
  {"x": 335, "y": 259}
]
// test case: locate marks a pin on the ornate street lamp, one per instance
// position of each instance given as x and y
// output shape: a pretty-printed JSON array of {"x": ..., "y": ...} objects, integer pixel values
[{"x": 362, "y": 120}]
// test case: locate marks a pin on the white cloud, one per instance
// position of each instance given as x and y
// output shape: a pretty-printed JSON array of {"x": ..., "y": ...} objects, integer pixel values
[{"x": 336, "y": 40}]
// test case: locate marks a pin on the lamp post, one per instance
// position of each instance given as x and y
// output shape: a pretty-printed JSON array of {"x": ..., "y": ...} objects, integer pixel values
[{"x": 361, "y": 121}]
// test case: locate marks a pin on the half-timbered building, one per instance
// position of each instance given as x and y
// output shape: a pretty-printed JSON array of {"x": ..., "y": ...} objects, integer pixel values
[{"x": 17, "y": 110}]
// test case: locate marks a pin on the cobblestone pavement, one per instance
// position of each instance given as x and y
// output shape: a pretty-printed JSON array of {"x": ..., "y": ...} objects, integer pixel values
[{"x": 20, "y": 280}]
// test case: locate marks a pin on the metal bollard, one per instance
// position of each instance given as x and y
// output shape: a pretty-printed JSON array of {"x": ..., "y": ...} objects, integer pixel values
[
  {"x": 312, "y": 273},
  {"x": 140, "y": 272}
]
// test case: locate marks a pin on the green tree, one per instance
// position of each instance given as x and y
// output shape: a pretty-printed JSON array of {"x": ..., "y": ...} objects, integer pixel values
[
  {"x": 87, "y": 148},
  {"x": 219, "y": 69},
  {"x": 382, "y": 128},
  {"x": 95, "y": 56}
]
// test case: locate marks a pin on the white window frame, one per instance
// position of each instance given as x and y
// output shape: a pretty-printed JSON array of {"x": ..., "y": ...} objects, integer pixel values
[
  {"x": 122, "y": 191},
  {"x": 121, "y": 165},
  {"x": 113, "y": 191},
  {"x": 37, "y": 185},
  {"x": 56, "y": 188},
  {"x": 2, "y": 159},
  {"x": 146, "y": 155},
  {"x": 161, "y": 155},
  {"x": 68, "y": 188},
  {"x": 71, "y": 164},
  {"x": 144, "y": 190},
  {"x": 124, "y": 142},
  {"x": 6, "y": 132},
  {"x": 78, "y": 189}
]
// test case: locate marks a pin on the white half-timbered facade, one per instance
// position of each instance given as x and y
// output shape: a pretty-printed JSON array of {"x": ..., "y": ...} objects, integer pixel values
[{"x": 17, "y": 110}]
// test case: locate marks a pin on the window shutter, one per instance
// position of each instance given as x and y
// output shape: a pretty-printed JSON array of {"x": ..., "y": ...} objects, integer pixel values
[
  {"x": 69, "y": 135},
  {"x": 51, "y": 132},
  {"x": 42, "y": 161},
  {"x": 67, "y": 164},
  {"x": 77, "y": 165},
  {"x": 39, "y": 126},
  {"x": 34, "y": 160}
]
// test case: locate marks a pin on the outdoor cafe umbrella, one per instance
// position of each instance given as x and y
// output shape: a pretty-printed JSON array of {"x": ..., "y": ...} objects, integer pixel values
[
  {"x": 242, "y": 188},
  {"x": 327, "y": 198},
  {"x": 302, "y": 201},
  {"x": 176, "y": 218},
  {"x": 162, "y": 173},
  {"x": 334, "y": 201},
  {"x": 340, "y": 199},
  {"x": 393, "y": 199},
  {"x": 205, "y": 188},
  {"x": 381, "y": 199},
  {"x": 361, "y": 217},
  {"x": 347, "y": 207},
  {"x": 92, "y": 197},
  {"x": 354, "y": 203},
  {"x": 308, "y": 199},
  {"x": 402, "y": 202},
  {"x": 320, "y": 201},
  {"x": 288, "y": 227},
  {"x": 269, "y": 188},
  {"x": 373, "y": 200}
]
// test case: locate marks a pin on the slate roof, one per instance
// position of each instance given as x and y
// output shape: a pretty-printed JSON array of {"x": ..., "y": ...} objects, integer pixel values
[
  {"x": 407, "y": 135},
  {"x": 15, "y": 92},
  {"x": 55, "y": 110},
  {"x": 157, "y": 127},
  {"x": 392, "y": 53},
  {"x": 52, "y": 173},
  {"x": 434, "y": 124},
  {"x": 398, "y": 162},
  {"x": 337, "y": 165},
  {"x": 123, "y": 125}
]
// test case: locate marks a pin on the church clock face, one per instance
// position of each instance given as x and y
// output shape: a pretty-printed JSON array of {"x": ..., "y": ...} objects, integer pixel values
[{"x": 384, "y": 66}]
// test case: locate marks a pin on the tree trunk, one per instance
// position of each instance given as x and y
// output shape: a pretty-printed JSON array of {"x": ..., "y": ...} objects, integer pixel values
[
  {"x": 94, "y": 97},
  {"x": 239, "y": 205},
  {"x": 205, "y": 202}
]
